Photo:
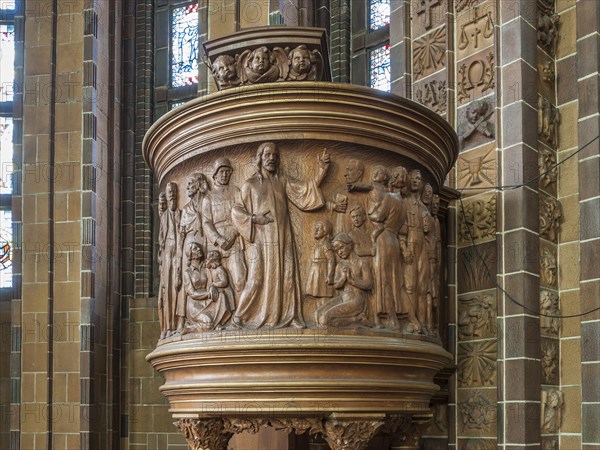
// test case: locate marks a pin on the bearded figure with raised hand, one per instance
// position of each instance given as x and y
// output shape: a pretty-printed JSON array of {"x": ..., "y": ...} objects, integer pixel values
[
  {"x": 414, "y": 250},
  {"x": 218, "y": 225},
  {"x": 170, "y": 266},
  {"x": 271, "y": 296},
  {"x": 353, "y": 279}
]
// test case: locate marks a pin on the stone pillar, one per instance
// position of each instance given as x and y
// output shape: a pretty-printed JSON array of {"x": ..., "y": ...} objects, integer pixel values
[
  {"x": 518, "y": 328},
  {"x": 588, "y": 40}
]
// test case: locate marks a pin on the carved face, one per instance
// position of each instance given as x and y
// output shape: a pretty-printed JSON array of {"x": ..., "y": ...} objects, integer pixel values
[
  {"x": 358, "y": 217},
  {"x": 300, "y": 59},
  {"x": 269, "y": 158},
  {"x": 223, "y": 175},
  {"x": 203, "y": 185},
  {"x": 196, "y": 251},
  {"x": 260, "y": 61},
  {"x": 342, "y": 249},
  {"x": 354, "y": 171},
  {"x": 398, "y": 178},
  {"x": 162, "y": 202},
  {"x": 416, "y": 181},
  {"x": 192, "y": 187},
  {"x": 171, "y": 192},
  {"x": 224, "y": 68},
  {"x": 427, "y": 194},
  {"x": 319, "y": 231},
  {"x": 378, "y": 174}
]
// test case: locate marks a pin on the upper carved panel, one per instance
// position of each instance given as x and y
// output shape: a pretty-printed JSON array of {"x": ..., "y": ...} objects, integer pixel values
[
  {"x": 476, "y": 77},
  {"x": 477, "y": 220},
  {"x": 475, "y": 29},
  {"x": 427, "y": 15},
  {"x": 476, "y": 124},
  {"x": 429, "y": 53}
]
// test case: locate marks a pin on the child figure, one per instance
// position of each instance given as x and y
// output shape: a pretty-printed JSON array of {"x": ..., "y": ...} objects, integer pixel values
[{"x": 322, "y": 266}]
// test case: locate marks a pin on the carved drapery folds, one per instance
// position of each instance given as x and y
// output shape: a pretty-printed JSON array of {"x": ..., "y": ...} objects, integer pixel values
[{"x": 552, "y": 407}]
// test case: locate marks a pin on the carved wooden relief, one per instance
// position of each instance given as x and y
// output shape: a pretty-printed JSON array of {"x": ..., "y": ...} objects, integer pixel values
[
  {"x": 477, "y": 412},
  {"x": 477, "y": 220},
  {"x": 427, "y": 15},
  {"x": 433, "y": 93},
  {"x": 549, "y": 312},
  {"x": 475, "y": 30},
  {"x": 203, "y": 434},
  {"x": 548, "y": 170},
  {"x": 351, "y": 434},
  {"x": 476, "y": 77},
  {"x": 429, "y": 53},
  {"x": 551, "y": 411},
  {"x": 477, "y": 267},
  {"x": 548, "y": 120},
  {"x": 549, "y": 361},
  {"x": 476, "y": 124},
  {"x": 477, "y": 364},
  {"x": 477, "y": 316},
  {"x": 548, "y": 267},
  {"x": 477, "y": 169},
  {"x": 550, "y": 217}
]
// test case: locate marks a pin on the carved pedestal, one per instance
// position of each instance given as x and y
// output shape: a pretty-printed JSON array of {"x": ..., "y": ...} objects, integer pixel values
[{"x": 300, "y": 281}]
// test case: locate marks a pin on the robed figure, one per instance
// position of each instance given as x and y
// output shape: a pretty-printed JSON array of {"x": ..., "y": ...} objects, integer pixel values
[{"x": 271, "y": 296}]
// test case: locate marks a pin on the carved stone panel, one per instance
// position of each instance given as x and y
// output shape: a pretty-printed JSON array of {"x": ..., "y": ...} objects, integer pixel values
[
  {"x": 550, "y": 217},
  {"x": 474, "y": 29},
  {"x": 429, "y": 53},
  {"x": 476, "y": 123},
  {"x": 433, "y": 93},
  {"x": 477, "y": 220},
  {"x": 477, "y": 169},
  {"x": 477, "y": 364},
  {"x": 549, "y": 360},
  {"x": 477, "y": 316},
  {"x": 548, "y": 120},
  {"x": 476, "y": 412},
  {"x": 548, "y": 266},
  {"x": 548, "y": 170},
  {"x": 476, "y": 77},
  {"x": 462, "y": 5},
  {"x": 549, "y": 312},
  {"x": 547, "y": 31},
  {"x": 552, "y": 402},
  {"x": 477, "y": 267},
  {"x": 477, "y": 444},
  {"x": 427, "y": 15},
  {"x": 549, "y": 443},
  {"x": 546, "y": 76}
]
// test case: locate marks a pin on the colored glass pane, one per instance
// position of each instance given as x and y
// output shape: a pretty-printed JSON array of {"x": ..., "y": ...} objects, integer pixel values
[
  {"x": 379, "y": 13},
  {"x": 5, "y": 249},
  {"x": 7, "y": 61},
  {"x": 176, "y": 104},
  {"x": 184, "y": 45},
  {"x": 379, "y": 69},
  {"x": 6, "y": 154}
]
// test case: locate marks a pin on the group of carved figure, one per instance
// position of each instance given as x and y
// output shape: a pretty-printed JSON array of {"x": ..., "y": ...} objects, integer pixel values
[
  {"x": 263, "y": 65},
  {"x": 228, "y": 258}
]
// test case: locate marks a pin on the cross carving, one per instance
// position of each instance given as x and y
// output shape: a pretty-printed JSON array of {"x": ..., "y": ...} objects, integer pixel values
[
  {"x": 475, "y": 36},
  {"x": 424, "y": 6}
]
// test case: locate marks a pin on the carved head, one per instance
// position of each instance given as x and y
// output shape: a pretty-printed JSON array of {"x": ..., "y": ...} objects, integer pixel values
[
  {"x": 415, "y": 180},
  {"x": 213, "y": 259},
  {"x": 476, "y": 110},
  {"x": 260, "y": 60},
  {"x": 398, "y": 177},
  {"x": 300, "y": 61},
  {"x": 222, "y": 171},
  {"x": 171, "y": 192},
  {"x": 224, "y": 69},
  {"x": 195, "y": 183},
  {"x": 435, "y": 204},
  {"x": 379, "y": 174},
  {"x": 194, "y": 252},
  {"x": 342, "y": 245},
  {"x": 357, "y": 214},
  {"x": 162, "y": 202},
  {"x": 267, "y": 157},
  {"x": 354, "y": 171},
  {"x": 322, "y": 229},
  {"x": 427, "y": 196}
]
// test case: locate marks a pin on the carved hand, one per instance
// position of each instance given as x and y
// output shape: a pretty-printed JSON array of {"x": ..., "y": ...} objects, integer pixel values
[
  {"x": 262, "y": 219},
  {"x": 324, "y": 160},
  {"x": 340, "y": 205}
]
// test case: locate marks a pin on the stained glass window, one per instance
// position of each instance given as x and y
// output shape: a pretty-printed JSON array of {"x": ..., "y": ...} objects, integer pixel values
[
  {"x": 379, "y": 14},
  {"x": 184, "y": 45},
  {"x": 7, "y": 59},
  {"x": 176, "y": 105},
  {"x": 6, "y": 154},
  {"x": 379, "y": 68}
]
